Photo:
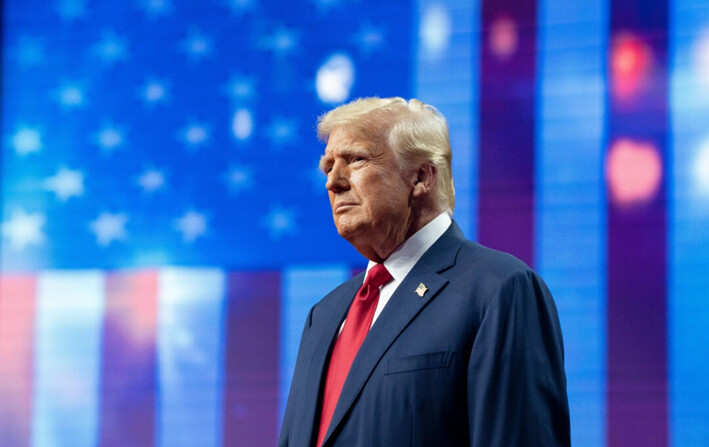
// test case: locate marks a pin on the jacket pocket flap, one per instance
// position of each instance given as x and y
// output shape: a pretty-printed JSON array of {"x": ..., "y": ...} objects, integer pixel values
[{"x": 419, "y": 362}]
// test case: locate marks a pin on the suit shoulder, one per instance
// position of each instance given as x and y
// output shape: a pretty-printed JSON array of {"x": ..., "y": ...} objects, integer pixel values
[{"x": 490, "y": 262}]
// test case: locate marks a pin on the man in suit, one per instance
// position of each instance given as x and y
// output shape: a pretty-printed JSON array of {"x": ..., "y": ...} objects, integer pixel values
[{"x": 441, "y": 342}]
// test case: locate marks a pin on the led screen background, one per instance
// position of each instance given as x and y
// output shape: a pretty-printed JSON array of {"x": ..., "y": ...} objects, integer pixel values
[{"x": 165, "y": 229}]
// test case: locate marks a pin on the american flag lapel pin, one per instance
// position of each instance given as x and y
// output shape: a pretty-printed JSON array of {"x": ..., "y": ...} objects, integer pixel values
[{"x": 421, "y": 289}]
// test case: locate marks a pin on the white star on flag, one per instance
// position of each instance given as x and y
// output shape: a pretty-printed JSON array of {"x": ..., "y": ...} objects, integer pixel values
[
  {"x": 197, "y": 44},
  {"x": 325, "y": 5},
  {"x": 369, "y": 38},
  {"x": 109, "y": 138},
  {"x": 111, "y": 48},
  {"x": 70, "y": 95},
  {"x": 30, "y": 52},
  {"x": 27, "y": 140},
  {"x": 151, "y": 180},
  {"x": 109, "y": 227},
  {"x": 282, "y": 41},
  {"x": 192, "y": 225},
  {"x": 195, "y": 134},
  {"x": 280, "y": 222},
  {"x": 240, "y": 178},
  {"x": 71, "y": 9},
  {"x": 65, "y": 183},
  {"x": 281, "y": 131},
  {"x": 154, "y": 91},
  {"x": 155, "y": 8},
  {"x": 241, "y": 88},
  {"x": 240, "y": 6},
  {"x": 23, "y": 229}
]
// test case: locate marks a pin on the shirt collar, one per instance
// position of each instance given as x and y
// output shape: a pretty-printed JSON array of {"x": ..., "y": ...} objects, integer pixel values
[{"x": 403, "y": 259}]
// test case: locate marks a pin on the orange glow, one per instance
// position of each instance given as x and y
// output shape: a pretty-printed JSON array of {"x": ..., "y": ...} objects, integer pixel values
[{"x": 633, "y": 172}]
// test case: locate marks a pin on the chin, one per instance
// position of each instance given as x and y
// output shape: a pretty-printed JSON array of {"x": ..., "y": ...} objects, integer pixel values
[{"x": 349, "y": 232}]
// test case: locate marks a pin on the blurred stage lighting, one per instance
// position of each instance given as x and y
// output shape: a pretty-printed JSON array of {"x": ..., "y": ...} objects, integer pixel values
[
  {"x": 633, "y": 172},
  {"x": 504, "y": 37},
  {"x": 435, "y": 29},
  {"x": 335, "y": 78},
  {"x": 631, "y": 64},
  {"x": 242, "y": 124}
]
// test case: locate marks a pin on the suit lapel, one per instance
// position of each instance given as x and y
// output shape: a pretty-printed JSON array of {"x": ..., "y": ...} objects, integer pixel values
[
  {"x": 334, "y": 314},
  {"x": 402, "y": 308}
]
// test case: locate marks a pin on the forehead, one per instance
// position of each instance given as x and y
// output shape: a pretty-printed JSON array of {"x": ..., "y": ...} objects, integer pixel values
[{"x": 341, "y": 141}]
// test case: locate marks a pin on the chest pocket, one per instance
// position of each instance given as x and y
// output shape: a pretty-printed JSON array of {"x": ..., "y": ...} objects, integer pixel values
[{"x": 419, "y": 362}]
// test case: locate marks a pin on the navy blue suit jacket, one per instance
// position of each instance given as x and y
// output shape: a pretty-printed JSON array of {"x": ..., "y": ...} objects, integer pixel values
[{"x": 477, "y": 361}]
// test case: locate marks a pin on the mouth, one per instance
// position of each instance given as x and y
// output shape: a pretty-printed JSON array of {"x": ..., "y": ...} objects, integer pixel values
[{"x": 343, "y": 206}]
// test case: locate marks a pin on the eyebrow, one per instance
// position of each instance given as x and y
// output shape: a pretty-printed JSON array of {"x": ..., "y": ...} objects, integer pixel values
[{"x": 343, "y": 152}]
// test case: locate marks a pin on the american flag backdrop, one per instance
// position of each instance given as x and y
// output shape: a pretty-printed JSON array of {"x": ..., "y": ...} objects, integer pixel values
[{"x": 165, "y": 229}]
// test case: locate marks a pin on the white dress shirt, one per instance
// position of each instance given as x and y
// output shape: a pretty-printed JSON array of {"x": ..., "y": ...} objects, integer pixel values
[{"x": 403, "y": 259}]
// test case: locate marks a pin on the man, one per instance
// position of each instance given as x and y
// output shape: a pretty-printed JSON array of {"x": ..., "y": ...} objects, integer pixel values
[{"x": 446, "y": 342}]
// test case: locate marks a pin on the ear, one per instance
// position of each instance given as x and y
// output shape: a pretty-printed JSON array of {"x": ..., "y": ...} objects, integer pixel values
[{"x": 424, "y": 180}]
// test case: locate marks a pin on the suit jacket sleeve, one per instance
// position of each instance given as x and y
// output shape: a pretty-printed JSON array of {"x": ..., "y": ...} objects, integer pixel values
[{"x": 516, "y": 379}]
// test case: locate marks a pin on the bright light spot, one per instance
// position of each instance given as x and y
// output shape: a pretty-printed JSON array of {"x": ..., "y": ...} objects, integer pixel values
[
  {"x": 242, "y": 124},
  {"x": 435, "y": 31},
  {"x": 633, "y": 172},
  {"x": 504, "y": 37},
  {"x": 631, "y": 63},
  {"x": 701, "y": 168},
  {"x": 701, "y": 59},
  {"x": 335, "y": 78}
]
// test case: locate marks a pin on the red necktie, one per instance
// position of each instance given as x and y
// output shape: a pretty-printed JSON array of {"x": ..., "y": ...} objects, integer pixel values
[{"x": 359, "y": 319}]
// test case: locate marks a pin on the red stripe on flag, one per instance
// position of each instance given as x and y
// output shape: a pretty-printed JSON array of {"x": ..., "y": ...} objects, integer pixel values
[
  {"x": 17, "y": 305},
  {"x": 129, "y": 359},
  {"x": 252, "y": 353}
]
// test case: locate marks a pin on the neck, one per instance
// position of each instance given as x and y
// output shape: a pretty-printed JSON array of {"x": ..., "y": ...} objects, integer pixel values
[{"x": 380, "y": 252}]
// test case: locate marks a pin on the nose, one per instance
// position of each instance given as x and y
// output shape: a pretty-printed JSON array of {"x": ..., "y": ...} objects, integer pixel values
[{"x": 337, "y": 178}]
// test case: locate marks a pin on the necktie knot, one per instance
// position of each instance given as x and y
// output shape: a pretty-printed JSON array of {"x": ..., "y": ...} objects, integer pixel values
[{"x": 377, "y": 276}]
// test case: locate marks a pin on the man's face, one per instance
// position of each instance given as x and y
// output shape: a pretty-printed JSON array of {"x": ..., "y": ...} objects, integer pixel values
[{"x": 370, "y": 196}]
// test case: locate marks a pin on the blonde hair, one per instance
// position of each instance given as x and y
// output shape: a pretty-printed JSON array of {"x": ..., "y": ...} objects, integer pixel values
[{"x": 416, "y": 132}]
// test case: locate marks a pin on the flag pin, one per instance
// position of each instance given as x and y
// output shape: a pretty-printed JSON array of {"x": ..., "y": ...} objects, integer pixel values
[{"x": 421, "y": 289}]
